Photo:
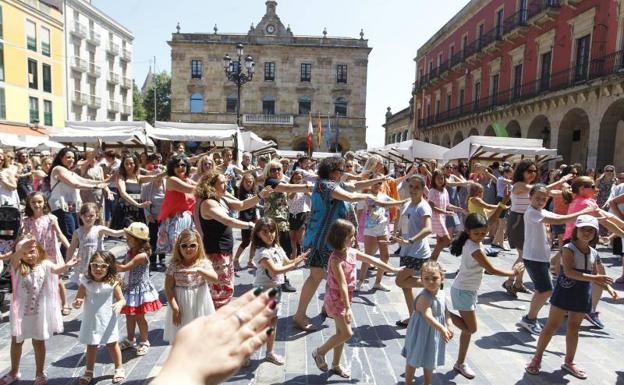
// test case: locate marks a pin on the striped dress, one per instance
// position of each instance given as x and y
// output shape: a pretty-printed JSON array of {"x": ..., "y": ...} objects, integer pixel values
[{"x": 438, "y": 220}]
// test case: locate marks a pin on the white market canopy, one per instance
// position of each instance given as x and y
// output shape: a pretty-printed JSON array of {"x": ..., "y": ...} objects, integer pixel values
[
  {"x": 500, "y": 148},
  {"x": 21, "y": 141},
  {"x": 291, "y": 154},
  {"x": 127, "y": 133},
  {"x": 411, "y": 150},
  {"x": 254, "y": 144},
  {"x": 195, "y": 132}
]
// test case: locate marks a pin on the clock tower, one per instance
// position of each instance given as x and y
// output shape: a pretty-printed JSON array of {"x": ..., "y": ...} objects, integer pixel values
[{"x": 270, "y": 25}]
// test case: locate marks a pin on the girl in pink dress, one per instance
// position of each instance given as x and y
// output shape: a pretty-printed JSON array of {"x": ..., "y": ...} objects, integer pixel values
[
  {"x": 44, "y": 227},
  {"x": 35, "y": 307},
  {"x": 439, "y": 201},
  {"x": 341, "y": 280}
]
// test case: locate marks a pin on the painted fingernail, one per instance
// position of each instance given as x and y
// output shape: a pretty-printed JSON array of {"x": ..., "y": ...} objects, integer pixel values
[
  {"x": 270, "y": 331},
  {"x": 273, "y": 292},
  {"x": 273, "y": 305},
  {"x": 258, "y": 290}
]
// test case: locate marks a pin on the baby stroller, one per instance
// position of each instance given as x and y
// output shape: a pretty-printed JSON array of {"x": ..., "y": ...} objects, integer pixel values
[{"x": 10, "y": 223}]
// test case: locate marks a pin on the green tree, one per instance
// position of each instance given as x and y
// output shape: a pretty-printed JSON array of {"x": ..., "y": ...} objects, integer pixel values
[
  {"x": 163, "y": 99},
  {"x": 138, "y": 112}
]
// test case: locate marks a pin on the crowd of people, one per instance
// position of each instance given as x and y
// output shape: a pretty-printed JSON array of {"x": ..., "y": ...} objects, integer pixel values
[{"x": 177, "y": 214}]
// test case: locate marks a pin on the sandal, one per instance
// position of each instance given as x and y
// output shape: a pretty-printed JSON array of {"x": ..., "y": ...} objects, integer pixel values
[
  {"x": 306, "y": 327},
  {"x": 66, "y": 311},
  {"x": 41, "y": 380},
  {"x": 119, "y": 375},
  {"x": 143, "y": 348},
  {"x": 534, "y": 366},
  {"x": 341, "y": 372},
  {"x": 522, "y": 289},
  {"x": 402, "y": 323},
  {"x": 510, "y": 289},
  {"x": 319, "y": 360},
  {"x": 126, "y": 344},
  {"x": 9, "y": 379},
  {"x": 86, "y": 378},
  {"x": 574, "y": 370},
  {"x": 274, "y": 359}
]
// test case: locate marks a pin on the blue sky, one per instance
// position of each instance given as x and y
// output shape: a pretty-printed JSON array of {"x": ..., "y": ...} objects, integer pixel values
[{"x": 395, "y": 29}]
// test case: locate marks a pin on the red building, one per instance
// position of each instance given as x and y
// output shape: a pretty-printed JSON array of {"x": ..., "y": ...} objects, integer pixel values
[{"x": 549, "y": 69}]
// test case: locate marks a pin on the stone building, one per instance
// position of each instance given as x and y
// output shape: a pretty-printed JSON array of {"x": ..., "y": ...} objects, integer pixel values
[
  {"x": 546, "y": 69},
  {"x": 398, "y": 126},
  {"x": 295, "y": 76}
]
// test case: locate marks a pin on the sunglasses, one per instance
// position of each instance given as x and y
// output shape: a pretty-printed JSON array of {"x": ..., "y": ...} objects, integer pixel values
[
  {"x": 593, "y": 186},
  {"x": 275, "y": 169},
  {"x": 609, "y": 170},
  {"x": 532, "y": 171},
  {"x": 95, "y": 265},
  {"x": 181, "y": 165},
  {"x": 188, "y": 245}
]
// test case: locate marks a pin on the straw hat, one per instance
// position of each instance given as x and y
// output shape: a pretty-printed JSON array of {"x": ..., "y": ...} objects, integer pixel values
[{"x": 138, "y": 230}]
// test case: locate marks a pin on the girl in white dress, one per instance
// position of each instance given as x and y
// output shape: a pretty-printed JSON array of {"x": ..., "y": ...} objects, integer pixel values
[
  {"x": 100, "y": 291},
  {"x": 187, "y": 283},
  {"x": 35, "y": 305}
]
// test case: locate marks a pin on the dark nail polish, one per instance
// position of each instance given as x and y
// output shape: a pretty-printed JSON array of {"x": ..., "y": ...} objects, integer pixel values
[
  {"x": 273, "y": 305},
  {"x": 270, "y": 331},
  {"x": 258, "y": 290},
  {"x": 273, "y": 292}
]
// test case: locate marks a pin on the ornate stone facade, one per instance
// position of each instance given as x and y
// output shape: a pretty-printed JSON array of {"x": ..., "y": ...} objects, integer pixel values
[
  {"x": 293, "y": 75},
  {"x": 398, "y": 126}
]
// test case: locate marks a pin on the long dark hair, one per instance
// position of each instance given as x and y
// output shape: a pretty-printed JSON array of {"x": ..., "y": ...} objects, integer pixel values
[
  {"x": 173, "y": 163},
  {"x": 122, "y": 167},
  {"x": 437, "y": 172},
  {"x": 473, "y": 221},
  {"x": 58, "y": 161},
  {"x": 111, "y": 276},
  {"x": 28, "y": 211},
  {"x": 256, "y": 241},
  {"x": 521, "y": 167}
]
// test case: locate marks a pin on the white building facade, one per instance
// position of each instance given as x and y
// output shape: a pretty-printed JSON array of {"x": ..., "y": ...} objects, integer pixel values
[{"x": 98, "y": 72}]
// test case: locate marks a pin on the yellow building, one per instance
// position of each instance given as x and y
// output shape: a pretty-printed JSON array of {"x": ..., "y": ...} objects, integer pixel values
[{"x": 32, "y": 62}]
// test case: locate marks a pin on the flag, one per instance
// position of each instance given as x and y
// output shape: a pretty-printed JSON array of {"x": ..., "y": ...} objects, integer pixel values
[
  {"x": 328, "y": 133},
  {"x": 337, "y": 139},
  {"x": 319, "y": 134},
  {"x": 310, "y": 133},
  {"x": 500, "y": 129}
]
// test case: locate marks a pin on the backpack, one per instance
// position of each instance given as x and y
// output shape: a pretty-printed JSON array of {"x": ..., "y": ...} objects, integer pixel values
[{"x": 10, "y": 223}]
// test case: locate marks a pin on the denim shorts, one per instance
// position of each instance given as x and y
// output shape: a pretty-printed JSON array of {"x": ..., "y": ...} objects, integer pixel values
[
  {"x": 464, "y": 300},
  {"x": 540, "y": 275}
]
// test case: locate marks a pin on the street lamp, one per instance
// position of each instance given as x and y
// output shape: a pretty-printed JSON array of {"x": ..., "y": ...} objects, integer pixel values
[{"x": 234, "y": 72}]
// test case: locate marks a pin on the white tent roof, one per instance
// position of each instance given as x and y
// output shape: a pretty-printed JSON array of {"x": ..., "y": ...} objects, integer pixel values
[
  {"x": 105, "y": 132},
  {"x": 499, "y": 148},
  {"x": 411, "y": 149},
  {"x": 296, "y": 154},
  {"x": 176, "y": 131},
  {"x": 253, "y": 143},
  {"x": 15, "y": 140}
]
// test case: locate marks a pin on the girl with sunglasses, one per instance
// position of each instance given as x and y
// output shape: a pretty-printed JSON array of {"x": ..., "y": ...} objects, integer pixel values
[{"x": 187, "y": 283}]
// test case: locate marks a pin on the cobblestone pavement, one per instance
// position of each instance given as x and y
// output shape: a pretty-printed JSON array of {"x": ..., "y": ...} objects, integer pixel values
[{"x": 498, "y": 352}]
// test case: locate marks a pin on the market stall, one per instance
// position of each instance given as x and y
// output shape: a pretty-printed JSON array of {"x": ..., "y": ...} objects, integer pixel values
[
  {"x": 492, "y": 148},
  {"x": 109, "y": 134},
  {"x": 410, "y": 151},
  {"x": 21, "y": 136}
]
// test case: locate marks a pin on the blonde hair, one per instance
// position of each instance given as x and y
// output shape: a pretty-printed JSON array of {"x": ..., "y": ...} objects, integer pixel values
[
  {"x": 372, "y": 162},
  {"x": 473, "y": 188},
  {"x": 205, "y": 187},
  {"x": 185, "y": 235},
  {"x": 200, "y": 164},
  {"x": 25, "y": 268},
  {"x": 269, "y": 165}
]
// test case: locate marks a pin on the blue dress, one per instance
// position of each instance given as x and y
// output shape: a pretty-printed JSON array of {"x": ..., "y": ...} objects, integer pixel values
[{"x": 424, "y": 346}]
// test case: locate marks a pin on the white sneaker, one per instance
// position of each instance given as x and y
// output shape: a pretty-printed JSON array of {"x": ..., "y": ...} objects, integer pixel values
[{"x": 465, "y": 370}]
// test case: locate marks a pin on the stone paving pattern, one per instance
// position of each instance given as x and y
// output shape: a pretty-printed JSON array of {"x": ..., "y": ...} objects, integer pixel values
[{"x": 498, "y": 352}]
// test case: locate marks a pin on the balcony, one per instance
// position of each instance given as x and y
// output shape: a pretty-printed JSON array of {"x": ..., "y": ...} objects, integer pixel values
[
  {"x": 94, "y": 70},
  {"x": 126, "y": 109},
  {"x": 79, "y": 64},
  {"x": 112, "y": 48},
  {"x": 113, "y": 78},
  {"x": 126, "y": 82},
  {"x": 492, "y": 40},
  {"x": 126, "y": 54},
  {"x": 94, "y": 38},
  {"x": 95, "y": 101},
  {"x": 576, "y": 75},
  {"x": 261, "y": 119},
  {"x": 78, "y": 30},
  {"x": 80, "y": 98},
  {"x": 543, "y": 11},
  {"x": 515, "y": 26},
  {"x": 113, "y": 106}
]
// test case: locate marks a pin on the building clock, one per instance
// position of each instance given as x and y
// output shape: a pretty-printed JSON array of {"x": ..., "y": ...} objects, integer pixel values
[{"x": 270, "y": 29}]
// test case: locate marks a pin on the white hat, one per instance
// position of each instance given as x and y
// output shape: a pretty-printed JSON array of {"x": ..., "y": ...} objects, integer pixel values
[
  {"x": 586, "y": 221},
  {"x": 138, "y": 230}
]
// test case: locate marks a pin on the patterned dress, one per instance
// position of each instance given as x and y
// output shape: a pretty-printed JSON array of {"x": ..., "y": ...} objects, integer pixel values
[
  {"x": 42, "y": 229},
  {"x": 438, "y": 220},
  {"x": 333, "y": 303},
  {"x": 89, "y": 243},
  {"x": 139, "y": 291}
]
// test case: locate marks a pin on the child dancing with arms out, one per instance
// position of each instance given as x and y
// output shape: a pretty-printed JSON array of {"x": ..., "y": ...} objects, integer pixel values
[
  {"x": 341, "y": 280},
  {"x": 35, "y": 311},
  {"x": 100, "y": 292},
  {"x": 572, "y": 294},
  {"x": 272, "y": 264},
  {"x": 429, "y": 327}
]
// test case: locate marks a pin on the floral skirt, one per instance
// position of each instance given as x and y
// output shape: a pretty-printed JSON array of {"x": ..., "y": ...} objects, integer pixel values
[
  {"x": 222, "y": 291},
  {"x": 170, "y": 228}
]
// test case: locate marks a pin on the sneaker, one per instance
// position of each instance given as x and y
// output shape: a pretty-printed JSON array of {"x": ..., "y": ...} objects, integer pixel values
[
  {"x": 593, "y": 319},
  {"x": 288, "y": 288},
  {"x": 465, "y": 370},
  {"x": 533, "y": 326}
]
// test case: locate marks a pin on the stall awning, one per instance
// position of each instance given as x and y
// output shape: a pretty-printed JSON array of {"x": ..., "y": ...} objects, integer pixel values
[
  {"x": 500, "y": 148},
  {"x": 410, "y": 150},
  {"x": 17, "y": 135},
  {"x": 255, "y": 144},
  {"x": 200, "y": 132},
  {"x": 127, "y": 133}
]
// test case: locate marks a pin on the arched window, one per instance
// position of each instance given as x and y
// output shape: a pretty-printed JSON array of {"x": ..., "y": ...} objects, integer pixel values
[
  {"x": 405, "y": 135},
  {"x": 197, "y": 103},
  {"x": 340, "y": 107},
  {"x": 305, "y": 105}
]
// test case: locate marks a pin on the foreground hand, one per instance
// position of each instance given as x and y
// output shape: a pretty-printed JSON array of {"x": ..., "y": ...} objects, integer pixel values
[
  {"x": 268, "y": 190},
  {"x": 77, "y": 303},
  {"x": 72, "y": 262},
  {"x": 117, "y": 306},
  {"x": 447, "y": 335},
  {"x": 603, "y": 280},
  {"x": 224, "y": 340}
]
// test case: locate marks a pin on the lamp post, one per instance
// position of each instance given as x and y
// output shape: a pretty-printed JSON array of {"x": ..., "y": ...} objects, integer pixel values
[{"x": 235, "y": 73}]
